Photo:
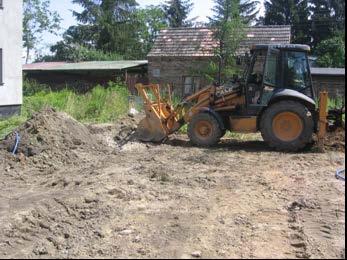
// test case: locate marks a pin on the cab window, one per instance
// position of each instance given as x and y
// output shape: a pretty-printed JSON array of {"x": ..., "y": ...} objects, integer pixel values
[
  {"x": 271, "y": 75},
  {"x": 255, "y": 77},
  {"x": 297, "y": 71}
]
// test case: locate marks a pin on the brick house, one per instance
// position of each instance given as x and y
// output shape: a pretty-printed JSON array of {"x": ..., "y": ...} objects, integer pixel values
[{"x": 179, "y": 53}]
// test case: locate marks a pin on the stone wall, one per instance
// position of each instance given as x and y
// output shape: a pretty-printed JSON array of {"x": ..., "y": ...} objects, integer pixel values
[
  {"x": 335, "y": 85},
  {"x": 8, "y": 111},
  {"x": 172, "y": 71}
]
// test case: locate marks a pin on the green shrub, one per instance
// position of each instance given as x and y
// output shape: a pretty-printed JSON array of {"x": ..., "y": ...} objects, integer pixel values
[
  {"x": 335, "y": 103},
  {"x": 31, "y": 87},
  {"x": 332, "y": 52},
  {"x": 100, "y": 105}
]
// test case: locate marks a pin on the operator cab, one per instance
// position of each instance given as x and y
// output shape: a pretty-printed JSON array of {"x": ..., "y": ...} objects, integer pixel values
[{"x": 275, "y": 68}]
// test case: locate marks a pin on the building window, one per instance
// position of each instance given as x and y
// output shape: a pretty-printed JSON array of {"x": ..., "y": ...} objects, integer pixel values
[
  {"x": 156, "y": 73},
  {"x": 191, "y": 85},
  {"x": 1, "y": 6},
  {"x": 1, "y": 68}
]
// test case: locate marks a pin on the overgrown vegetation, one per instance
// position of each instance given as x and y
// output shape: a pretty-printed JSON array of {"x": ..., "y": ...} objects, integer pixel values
[
  {"x": 102, "y": 104},
  {"x": 336, "y": 103},
  {"x": 332, "y": 52}
]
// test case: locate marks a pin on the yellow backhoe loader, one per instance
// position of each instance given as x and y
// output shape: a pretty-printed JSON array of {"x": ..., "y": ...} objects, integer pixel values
[{"x": 275, "y": 96}]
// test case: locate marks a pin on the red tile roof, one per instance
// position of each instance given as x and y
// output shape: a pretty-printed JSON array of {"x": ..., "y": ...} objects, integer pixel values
[
  {"x": 89, "y": 65},
  {"x": 199, "y": 42}
]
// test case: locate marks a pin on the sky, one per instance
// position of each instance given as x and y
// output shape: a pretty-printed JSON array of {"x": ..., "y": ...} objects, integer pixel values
[{"x": 202, "y": 9}]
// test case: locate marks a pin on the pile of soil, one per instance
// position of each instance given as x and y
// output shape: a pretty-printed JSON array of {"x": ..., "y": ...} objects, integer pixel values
[
  {"x": 57, "y": 136},
  {"x": 123, "y": 132},
  {"x": 336, "y": 140},
  {"x": 53, "y": 134}
]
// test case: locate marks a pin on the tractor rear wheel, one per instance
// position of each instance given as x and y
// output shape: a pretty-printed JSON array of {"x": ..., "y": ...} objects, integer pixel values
[
  {"x": 287, "y": 126},
  {"x": 204, "y": 130}
]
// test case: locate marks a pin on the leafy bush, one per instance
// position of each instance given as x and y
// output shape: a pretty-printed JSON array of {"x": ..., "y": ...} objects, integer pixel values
[
  {"x": 31, "y": 87},
  {"x": 336, "y": 103},
  {"x": 331, "y": 52}
]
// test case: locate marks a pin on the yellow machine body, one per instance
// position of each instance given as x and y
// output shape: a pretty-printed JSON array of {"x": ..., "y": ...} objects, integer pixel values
[{"x": 163, "y": 119}]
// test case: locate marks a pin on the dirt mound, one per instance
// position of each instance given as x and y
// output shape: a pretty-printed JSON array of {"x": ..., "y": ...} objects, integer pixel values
[
  {"x": 336, "y": 140},
  {"x": 119, "y": 134},
  {"x": 53, "y": 133}
]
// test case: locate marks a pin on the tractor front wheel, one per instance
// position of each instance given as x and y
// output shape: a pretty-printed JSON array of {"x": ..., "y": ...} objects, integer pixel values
[
  {"x": 204, "y": 130},
  {"x": 287, "y": 126}
]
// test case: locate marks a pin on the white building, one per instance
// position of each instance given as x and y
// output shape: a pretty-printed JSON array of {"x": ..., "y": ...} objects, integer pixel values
[{"x": 10, "y": 57}]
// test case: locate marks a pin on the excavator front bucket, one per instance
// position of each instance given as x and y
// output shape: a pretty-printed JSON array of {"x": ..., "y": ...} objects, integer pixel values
[
  {"x": 151, "y": 130},
  {"x": 160, "y": 116}
]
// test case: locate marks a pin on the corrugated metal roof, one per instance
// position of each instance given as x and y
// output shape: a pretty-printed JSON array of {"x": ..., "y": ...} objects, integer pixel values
[
  {"x": 328, "y": 71},
  {"x": 90, "y": 65},
  {"x": 199, "y": 42},
  {"x": 42, "y": 65}
]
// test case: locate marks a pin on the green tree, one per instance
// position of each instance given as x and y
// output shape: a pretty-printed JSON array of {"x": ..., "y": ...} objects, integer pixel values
[
  {"x": 290, "y": 12},
  {"x": 229, "y": 26},
  {"x": 81, "y": 42},
  {"x": 249, "y": 10},
  {"x": 339, "y": 7},
  {"x": 108, "y": 25},
  {"x": 37, "y": 19},
  {"x": 331, "y": 52},
  {"x": 84, "y": 35},
  {"x": 152, "y": 19},
  {"x": 77, "y": 53},
  {"x": 328, "y": 18},
  {"x": 177, "y": 13}
]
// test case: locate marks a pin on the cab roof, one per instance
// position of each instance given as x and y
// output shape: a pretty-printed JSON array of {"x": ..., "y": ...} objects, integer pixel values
[{"x": 289, "y": 47}]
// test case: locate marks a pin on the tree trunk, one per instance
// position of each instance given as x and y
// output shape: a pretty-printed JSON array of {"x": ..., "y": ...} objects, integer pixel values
[{"x": 27, "y": 57}]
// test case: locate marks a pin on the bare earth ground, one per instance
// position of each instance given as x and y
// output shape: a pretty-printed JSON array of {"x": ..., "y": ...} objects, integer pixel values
[{"x": 73, "y": 192}]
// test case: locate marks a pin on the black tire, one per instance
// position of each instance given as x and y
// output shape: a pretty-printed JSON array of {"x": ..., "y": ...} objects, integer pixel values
[
  {"x": 305, "y": 131},
  {"x": 213, "y": 134}
]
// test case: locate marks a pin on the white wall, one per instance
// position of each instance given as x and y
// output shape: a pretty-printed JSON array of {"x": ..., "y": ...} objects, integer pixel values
[{"x": 11, "y": 45}]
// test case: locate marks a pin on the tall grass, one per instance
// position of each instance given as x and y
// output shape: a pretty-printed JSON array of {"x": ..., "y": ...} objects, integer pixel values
[
  {"x": 100, "y": 105},
  {"x": 336, "y": 103}
]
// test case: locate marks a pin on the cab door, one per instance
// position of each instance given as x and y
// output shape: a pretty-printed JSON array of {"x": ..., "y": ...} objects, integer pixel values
[
  {"x": 257, "y": 100},
  {"x": 272, "y": 75}
]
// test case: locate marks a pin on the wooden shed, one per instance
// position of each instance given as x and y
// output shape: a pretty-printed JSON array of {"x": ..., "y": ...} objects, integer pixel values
[
  {"x": 84, "y": 75},
  {"x": 331, "y": 79}
]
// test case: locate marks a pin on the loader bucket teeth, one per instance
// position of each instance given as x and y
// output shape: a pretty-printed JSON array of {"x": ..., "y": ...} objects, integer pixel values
[{"x": 150, "y": 130}]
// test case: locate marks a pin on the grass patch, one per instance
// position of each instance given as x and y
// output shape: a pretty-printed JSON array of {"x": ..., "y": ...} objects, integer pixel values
[
  {"x": 243, "y": 136},
  {"x": 336, "y": 103},
  {"x": 100, "y": 105},
  {"x": 6, "y": 126}
]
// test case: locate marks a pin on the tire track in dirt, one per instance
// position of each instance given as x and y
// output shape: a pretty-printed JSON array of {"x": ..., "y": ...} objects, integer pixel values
[
  {"x": 167, "y": 201},
  {"x": 317, "y": 228}
]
